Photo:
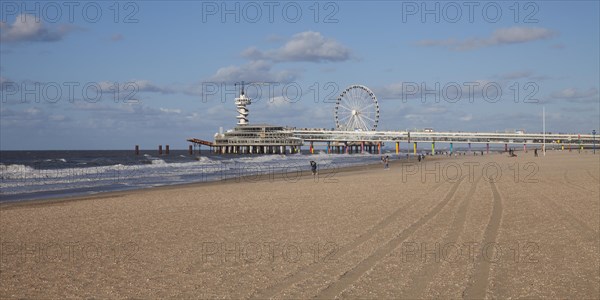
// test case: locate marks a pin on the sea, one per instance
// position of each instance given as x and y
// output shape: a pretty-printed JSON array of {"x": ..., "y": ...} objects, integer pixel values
[{"x": 33, "y": 175}]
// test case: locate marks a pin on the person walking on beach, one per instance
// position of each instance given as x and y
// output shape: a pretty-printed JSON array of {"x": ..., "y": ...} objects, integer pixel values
[
  {"x": 313, "y": 167},
  {"x": 535, "y": 152},
  {"x": 419, "y": 157},
  {"x": 386, "y": 162}
]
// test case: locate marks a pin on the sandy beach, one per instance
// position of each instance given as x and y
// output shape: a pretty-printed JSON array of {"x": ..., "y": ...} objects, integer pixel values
[{"x": 463, "y": 227}]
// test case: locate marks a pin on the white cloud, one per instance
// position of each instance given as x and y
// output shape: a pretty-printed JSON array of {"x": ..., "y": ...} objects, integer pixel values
[
  {"x": 29, "y": 28},
  {"x": 254, "y": 71},
  {"x": 170, "y": 110},
  {"x": 502, "y": 36},
  {"x": 466, "y": 118},
  {"x": 32, "y": 111},
  {"x": 308, "y": 46},
  {"x": 132, "y": 87},
  {"x": 576, "y": 95},
  {"x": 57, "y": 118},
  {"x": 573, "y": 93}
]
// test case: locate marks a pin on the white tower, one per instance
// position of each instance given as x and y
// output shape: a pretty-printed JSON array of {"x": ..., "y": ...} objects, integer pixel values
[{"x": 241, "y": 103}]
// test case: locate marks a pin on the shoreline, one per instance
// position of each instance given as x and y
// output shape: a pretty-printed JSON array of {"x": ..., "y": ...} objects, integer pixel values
[
  {"x": 269, "y": 176},
  {"x": 266, "y": 177}
]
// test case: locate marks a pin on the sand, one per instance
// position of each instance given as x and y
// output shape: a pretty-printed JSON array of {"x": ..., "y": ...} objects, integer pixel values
[{"x": 418, "y": 230}]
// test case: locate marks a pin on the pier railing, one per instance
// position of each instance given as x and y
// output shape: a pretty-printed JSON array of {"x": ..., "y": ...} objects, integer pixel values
[{"x": 448, "y": 137}]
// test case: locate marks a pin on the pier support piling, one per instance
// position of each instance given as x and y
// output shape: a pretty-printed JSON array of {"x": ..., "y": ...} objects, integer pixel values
[
  {"x": 159, "y": 149},
  {"x": 167, "y": 149},
  {"x": 415, "y": 148},
  {"x": 137, "y": 149}
]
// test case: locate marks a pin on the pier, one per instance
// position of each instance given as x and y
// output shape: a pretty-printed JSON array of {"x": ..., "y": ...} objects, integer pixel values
[{"x": 356, "y": 132}]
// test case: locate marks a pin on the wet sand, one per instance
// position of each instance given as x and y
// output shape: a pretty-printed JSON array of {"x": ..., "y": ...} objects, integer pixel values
[{"x": 462, "y": 227}]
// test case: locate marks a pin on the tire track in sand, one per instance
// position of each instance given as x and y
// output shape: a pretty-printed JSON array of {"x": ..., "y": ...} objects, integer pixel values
[
  {"x": 593, "y": 177},
  {"x": 418, "y": 285},
  {"x": 479, "y": 278},
  {"x": 576, "y": 185},
  {"x": 576, "y": 222},
  {"x": 307, "y": 271},
  {"x": 349, "y": 277}
]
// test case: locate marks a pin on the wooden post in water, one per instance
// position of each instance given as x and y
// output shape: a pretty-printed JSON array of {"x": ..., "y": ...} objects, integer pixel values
[
  {"x": 137, "y": 149},
  {"x": 191, "y": 150},
  {"x": 167, "y": 149},
  {"x": 159, "y": 149}
]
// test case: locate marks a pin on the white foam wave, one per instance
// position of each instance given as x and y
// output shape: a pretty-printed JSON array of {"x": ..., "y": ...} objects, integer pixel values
[{"x": 14, "y": 169}]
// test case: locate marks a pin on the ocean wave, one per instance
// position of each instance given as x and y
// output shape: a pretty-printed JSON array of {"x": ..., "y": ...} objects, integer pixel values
[
  {"x": 158, "y": 161},
  {"x": 14, "y": 169},
  {"x": 55, "y": 160}
]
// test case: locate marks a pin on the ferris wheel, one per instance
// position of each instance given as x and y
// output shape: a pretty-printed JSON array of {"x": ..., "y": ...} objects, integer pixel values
[{"x": 357, "y": 109}]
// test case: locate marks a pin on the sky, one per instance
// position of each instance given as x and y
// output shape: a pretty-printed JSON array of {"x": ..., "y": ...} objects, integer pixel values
[{"x": 111, "y": 75}]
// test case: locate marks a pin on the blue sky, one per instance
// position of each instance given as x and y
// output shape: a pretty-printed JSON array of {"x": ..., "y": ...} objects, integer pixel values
[{"x": 161, "y": 54}]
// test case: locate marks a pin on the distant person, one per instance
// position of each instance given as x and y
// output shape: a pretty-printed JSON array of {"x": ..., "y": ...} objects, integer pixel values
[
  {"x": 313, "y": 167},
  {"x": 535, "y": 152},
  {"x": 386, "y": 162},
  {"x": 419, "y": 157},
  {"x": 482, "y": 153}
]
